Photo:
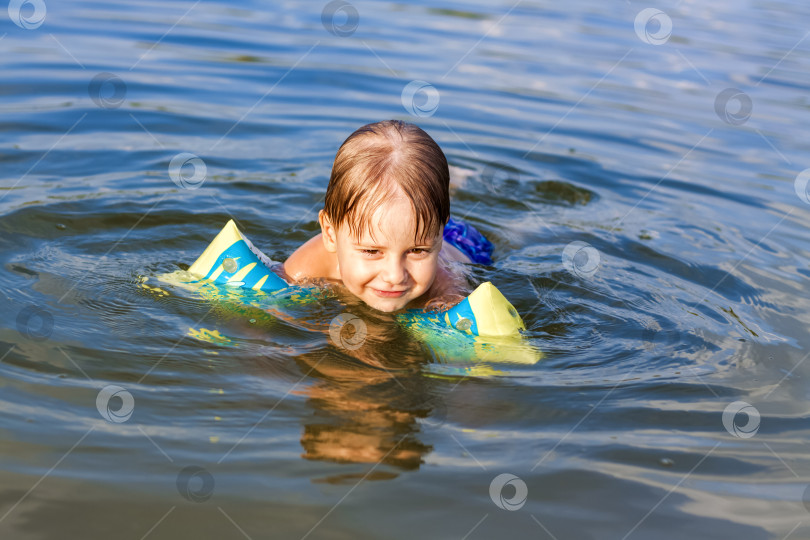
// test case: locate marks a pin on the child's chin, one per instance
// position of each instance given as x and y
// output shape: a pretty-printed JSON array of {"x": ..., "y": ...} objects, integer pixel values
[{"x": 386, "y": 305}]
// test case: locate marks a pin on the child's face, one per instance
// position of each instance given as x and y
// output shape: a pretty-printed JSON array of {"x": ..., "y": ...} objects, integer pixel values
[{"x": 390, "y": 269}]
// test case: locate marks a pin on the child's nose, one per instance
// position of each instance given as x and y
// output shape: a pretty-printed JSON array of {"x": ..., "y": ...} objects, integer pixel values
[{"x": 394, "y": 271}]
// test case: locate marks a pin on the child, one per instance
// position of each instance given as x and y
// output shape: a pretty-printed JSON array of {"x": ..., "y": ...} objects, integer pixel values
[{"x": 385, "y": 216}]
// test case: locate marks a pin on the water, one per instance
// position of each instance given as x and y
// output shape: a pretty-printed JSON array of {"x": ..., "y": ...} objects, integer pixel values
[{"x": 564, "y": 123}]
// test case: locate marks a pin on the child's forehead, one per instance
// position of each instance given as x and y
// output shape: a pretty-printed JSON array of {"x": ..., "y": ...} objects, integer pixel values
[
  {"x": 392, "y": 210},
  {"x": 388, "y": 225},
  {"x": 388, "y": 214},
  {"x": 381, "y": 238}
]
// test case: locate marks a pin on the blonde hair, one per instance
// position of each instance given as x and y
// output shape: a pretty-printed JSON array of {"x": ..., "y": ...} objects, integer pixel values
[{"x": 375, "y": 160}]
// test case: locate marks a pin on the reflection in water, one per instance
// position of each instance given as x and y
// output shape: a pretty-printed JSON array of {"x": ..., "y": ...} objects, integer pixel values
[
  {"x": 365, "y": 406},
  {"x": 361, "y": 429}
]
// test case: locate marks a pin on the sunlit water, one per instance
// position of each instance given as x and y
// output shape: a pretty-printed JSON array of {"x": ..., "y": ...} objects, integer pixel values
[{"x": 563, "y": 122}]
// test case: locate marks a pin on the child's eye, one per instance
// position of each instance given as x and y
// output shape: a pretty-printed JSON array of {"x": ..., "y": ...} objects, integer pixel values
[
  {"x": 369, "y": 252},
  {"x": 420, "y": 251}
]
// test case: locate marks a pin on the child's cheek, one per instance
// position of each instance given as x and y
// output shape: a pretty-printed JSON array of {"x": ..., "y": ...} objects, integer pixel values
[
  {"x": 426, "y": 268},
  {"x": 362, "y": 268}
]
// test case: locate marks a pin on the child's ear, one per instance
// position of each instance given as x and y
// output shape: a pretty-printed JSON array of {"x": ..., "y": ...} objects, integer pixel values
[{"x": 328, "y": 232}]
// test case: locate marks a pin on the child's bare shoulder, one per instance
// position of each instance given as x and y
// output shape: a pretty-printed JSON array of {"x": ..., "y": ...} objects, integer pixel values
[
  {"x": 450, "y": 285},
  {"x": 311, "y": 260},
  {"x": 451, "y": 253}
]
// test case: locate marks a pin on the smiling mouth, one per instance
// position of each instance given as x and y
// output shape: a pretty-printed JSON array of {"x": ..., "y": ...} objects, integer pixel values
[{"x": 388, "y": 294}]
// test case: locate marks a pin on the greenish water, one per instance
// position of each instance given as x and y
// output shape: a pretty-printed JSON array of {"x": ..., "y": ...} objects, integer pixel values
[{"x": 640, "y": 173}]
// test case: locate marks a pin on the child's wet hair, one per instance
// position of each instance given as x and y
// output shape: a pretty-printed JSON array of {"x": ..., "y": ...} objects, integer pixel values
[{"x": 375, "y": 160}]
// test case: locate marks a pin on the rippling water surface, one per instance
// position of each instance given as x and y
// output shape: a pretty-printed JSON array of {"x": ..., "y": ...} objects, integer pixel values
[{"x": 663, "y": 144}]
